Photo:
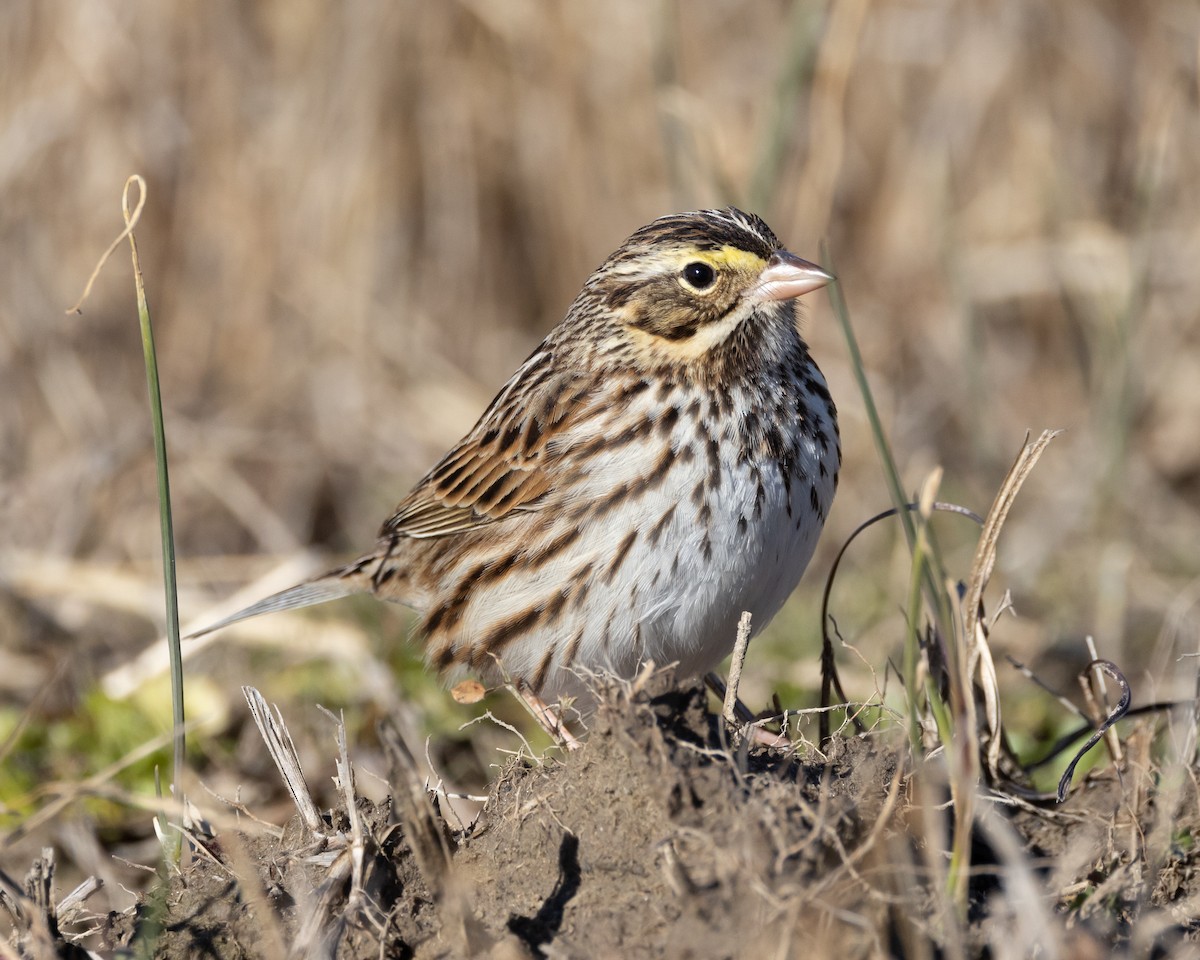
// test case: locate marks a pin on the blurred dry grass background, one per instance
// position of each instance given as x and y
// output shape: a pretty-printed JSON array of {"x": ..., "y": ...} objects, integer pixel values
[{"x": 363, "y": 216}]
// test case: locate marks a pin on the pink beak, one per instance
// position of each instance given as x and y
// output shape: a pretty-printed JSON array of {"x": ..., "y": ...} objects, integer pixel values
[{"x": 787, "y": 276}]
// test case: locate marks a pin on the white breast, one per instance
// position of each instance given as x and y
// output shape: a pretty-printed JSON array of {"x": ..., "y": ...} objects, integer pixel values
[{"x": 697, "y": 561}]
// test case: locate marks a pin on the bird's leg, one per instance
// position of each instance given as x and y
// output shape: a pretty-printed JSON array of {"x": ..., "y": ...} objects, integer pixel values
[
  {"x": 757, "y": 734},
  {"x": 549, "y": 719}
]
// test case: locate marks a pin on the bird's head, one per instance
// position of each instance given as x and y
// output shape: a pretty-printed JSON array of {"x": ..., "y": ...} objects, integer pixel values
[{"x": 683, "y": 285}]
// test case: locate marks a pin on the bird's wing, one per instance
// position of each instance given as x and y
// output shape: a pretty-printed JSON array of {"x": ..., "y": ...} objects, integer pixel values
[{"x": 507, "y": 463}]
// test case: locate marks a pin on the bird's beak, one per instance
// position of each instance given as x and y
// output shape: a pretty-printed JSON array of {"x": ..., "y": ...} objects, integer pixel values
[{"x": 787, "y": 276}]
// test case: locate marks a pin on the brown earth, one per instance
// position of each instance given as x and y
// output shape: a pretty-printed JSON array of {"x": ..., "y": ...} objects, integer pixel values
[{"x": 659, "y": 839}]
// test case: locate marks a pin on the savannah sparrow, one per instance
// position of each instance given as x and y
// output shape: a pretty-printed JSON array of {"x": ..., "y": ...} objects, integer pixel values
[{"x": 664, "y": 460}]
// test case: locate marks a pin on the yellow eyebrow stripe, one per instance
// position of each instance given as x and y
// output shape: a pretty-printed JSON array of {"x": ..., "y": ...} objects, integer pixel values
[{"x": 729, "y": 258}]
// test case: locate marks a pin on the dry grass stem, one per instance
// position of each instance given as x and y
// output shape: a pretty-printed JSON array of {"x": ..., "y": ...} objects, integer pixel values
[
  {"x": 283, "y": 753},
  {"x": 131, "y": 221}
]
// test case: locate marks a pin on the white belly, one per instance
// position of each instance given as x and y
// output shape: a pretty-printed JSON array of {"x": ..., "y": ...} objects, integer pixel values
[
  {"x": 713, "y": 538},
  {"x": 745, "y": 552}
]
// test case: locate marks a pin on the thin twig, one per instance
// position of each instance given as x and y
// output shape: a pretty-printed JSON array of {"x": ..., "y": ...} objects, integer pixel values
[
  {"x": 1117, "y": 713},
  {"x": 1095, "y": 688},
  {"x": 830, "y": 681}
]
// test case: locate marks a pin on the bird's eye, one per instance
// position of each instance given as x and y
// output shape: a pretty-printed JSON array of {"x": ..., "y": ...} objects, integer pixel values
[{"x": 699, "y": 276}]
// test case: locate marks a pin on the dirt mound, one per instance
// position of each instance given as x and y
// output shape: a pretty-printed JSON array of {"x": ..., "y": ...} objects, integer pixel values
[
  {"x": 654, "y": 836},
  {"x": 660, "y": 839}
]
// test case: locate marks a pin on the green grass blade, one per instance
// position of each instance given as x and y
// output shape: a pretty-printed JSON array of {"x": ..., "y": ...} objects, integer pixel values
[{"x": 164, "y": 497}]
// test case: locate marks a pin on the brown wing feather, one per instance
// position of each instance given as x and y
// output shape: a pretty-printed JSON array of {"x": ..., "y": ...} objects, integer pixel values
[{"x": 506, "y": 463}]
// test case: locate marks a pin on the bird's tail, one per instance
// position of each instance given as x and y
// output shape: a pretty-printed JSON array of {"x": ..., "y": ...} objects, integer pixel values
[{"x": 331, "y": 586}]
